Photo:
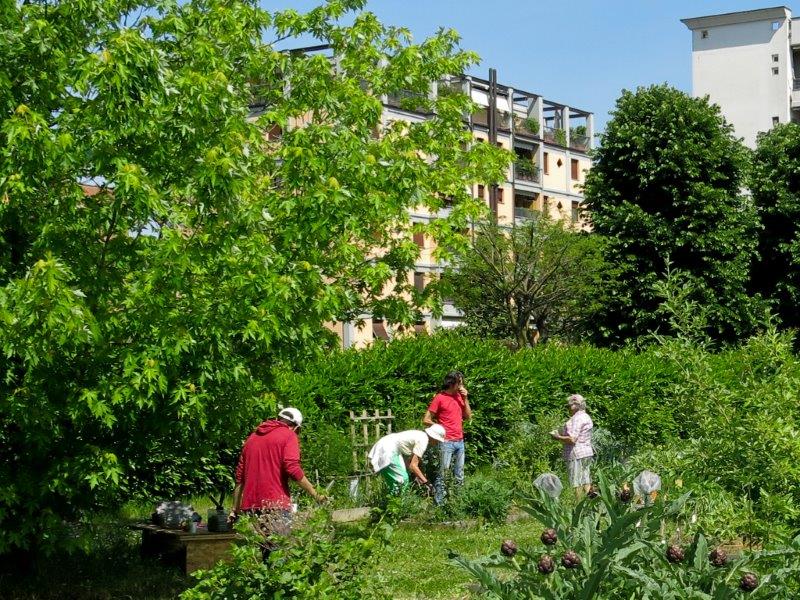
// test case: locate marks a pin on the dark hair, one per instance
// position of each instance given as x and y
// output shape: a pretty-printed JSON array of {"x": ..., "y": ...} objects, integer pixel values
[{"x": 452, "y": 378}]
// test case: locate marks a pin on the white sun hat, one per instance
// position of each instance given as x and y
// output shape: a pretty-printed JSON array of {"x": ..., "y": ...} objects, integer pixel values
[
  {"x": 293, "y": 415},
  {"x": 435, "y": 432}
]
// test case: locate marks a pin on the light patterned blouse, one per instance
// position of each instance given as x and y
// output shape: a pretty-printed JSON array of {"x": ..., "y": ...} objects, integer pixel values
[{"x": 579, "y": 428}]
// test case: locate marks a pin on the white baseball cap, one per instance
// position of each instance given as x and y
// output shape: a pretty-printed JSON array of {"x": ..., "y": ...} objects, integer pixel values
[
  {"x": 435, "y": 432},
  {"x": 292, "y": 415}
]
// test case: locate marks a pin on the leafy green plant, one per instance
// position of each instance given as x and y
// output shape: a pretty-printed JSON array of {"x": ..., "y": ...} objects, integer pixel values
[
  {"x": 560, "y": 137},
  {"x": 532, "y": 125},
  {"x": 607, "y": 548},
  {"x": 317, "y": 560},
  {"x": 481, "y": 497}
]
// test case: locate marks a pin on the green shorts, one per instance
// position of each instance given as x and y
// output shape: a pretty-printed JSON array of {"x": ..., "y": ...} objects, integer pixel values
[{"x": 395, "y": 474}]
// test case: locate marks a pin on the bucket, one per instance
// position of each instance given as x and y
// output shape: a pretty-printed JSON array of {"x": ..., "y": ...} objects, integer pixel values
[{"x": 217, "y": 521}]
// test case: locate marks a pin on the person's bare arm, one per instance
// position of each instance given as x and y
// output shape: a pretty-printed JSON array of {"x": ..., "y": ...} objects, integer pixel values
[
  {"x": 467, "y": 408},
  {"x": 564, "y": 439},
  {"x": 237, "y": 502},
  {"x": 237, "y": 497},
  {"x": 413, "y": 466},
  {"x": 427, "y": 420},
  {"x": 309, "y": 489}
]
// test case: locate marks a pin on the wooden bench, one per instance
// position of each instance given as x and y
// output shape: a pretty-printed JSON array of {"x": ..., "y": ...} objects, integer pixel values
[{"x": 188, "y": 551}]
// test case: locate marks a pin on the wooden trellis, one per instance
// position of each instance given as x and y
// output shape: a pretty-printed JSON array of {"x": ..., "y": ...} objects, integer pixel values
[{"x": 365, "y": 430}]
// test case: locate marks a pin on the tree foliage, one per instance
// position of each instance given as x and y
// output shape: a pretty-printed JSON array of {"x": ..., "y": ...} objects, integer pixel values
[
  {"x": 775, "y": 185},
  {"x": 539, "y": 273},
  {"x": 160, "y": 254},
  {"x": 665, "y": 189}
]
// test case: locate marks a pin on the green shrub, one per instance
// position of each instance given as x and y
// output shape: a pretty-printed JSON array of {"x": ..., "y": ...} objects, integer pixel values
[
  {"x": 317, "y": 560},
  {"x": 484, "y": 498},
  {"x": 629, "y": 393},
  {"x": 524, "y": 453}
]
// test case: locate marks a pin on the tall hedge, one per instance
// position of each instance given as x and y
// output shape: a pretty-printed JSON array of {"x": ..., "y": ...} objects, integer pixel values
[
  {"x": 628, "y": 393},
  {"x": 728, "y": 419}
]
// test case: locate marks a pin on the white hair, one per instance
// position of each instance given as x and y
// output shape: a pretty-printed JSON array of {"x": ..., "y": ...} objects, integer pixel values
[{"x": 577, "y": 401}]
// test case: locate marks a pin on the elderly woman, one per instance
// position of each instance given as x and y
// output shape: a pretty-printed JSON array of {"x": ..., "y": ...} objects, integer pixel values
[{"x": 576, "y": 436}]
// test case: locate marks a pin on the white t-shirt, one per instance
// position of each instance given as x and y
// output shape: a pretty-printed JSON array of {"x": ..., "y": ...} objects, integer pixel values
[{"x": 404, "y": 443}]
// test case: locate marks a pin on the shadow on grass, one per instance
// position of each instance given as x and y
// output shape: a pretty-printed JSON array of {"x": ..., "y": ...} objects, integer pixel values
[{"x": 111, "y": 569}]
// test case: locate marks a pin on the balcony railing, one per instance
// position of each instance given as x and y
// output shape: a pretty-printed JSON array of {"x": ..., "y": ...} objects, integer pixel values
[
  {"x": 407, "y": 100},
  {"x": 481, "y": 117},
  {"x": 796, "y": 85},
  {"x": 525, "y": 170},
  {"x": 555, "y": 135},
  {"x": 521, "y": 212},
  {"x": 579, "y": 142}
]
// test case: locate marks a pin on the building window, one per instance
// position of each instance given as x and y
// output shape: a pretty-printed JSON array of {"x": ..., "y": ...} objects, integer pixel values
[
  {"x": 774, "y": 70},
  {"x": 574, "y": 166},
  {"x": 576, "y": 211},
  {"x": 775, "y": 58},
  {"x": 775, "y": 120},
  {"x": 419, "y": 281},
  {"x": 480, "y": 192},
  {"x": 704, "y": 33},
  {"x": 546, "y": 161},
  {"x": 419, "y": 239},
  {"x": 776, "y": 25},
  {"x": 499, "y": 195},
  {"x": 546, "y": 205}
]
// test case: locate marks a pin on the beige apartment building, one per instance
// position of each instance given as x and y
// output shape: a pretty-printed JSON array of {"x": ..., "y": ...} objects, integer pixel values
[{"x": 550, "y": 142}]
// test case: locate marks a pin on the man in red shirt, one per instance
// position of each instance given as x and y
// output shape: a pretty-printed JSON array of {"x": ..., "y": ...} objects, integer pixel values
[
  {"x": 270, "y": 456},
  {"x": 450, "y": 408}
]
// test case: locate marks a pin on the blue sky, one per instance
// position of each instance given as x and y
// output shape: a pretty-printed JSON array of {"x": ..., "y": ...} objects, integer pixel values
[{"x": 579, "y": 52}]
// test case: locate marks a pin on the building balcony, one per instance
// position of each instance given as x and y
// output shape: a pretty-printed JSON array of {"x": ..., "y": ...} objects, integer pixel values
[
  {"x": 554, "y": 135},
  {"x": 526, "y": 127},
  {"x": 525, "y": 213},
  {"x": 481, "y": 117},
  {"x": 526, "y": 170},
  {"x": 406, "y": 100},
  {"x": 579, "y": 142}
]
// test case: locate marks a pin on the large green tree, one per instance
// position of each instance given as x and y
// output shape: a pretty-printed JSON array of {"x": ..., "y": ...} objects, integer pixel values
[
  {"x": 528, "y": 282},
  {"x": 160, "y": 253},
  {"x": 666, "y": 189},
  {"x": 775, "y": 185}
]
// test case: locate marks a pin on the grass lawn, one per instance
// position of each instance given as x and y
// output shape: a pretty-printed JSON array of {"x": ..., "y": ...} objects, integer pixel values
[{"x": 416, "y": 564}]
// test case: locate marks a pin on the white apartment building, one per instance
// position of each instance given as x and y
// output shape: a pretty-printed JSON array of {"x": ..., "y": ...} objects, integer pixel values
[
  {"x": 551, "y": 143},
  {"x": 745, "y": 62}
]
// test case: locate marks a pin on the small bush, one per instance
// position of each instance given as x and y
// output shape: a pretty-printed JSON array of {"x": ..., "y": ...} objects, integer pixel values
[
  {"x": 481, "y": 498},
  {"x": 317, "y": 560}
]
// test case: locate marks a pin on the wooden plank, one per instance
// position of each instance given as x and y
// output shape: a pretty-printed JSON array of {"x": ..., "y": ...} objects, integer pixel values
[
  {"x": 353, "y": 441},
  {"x": 347, "y": 515}
]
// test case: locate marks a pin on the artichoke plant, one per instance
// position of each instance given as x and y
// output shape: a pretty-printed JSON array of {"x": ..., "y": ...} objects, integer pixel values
[{"x": 608, "y": 550}]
